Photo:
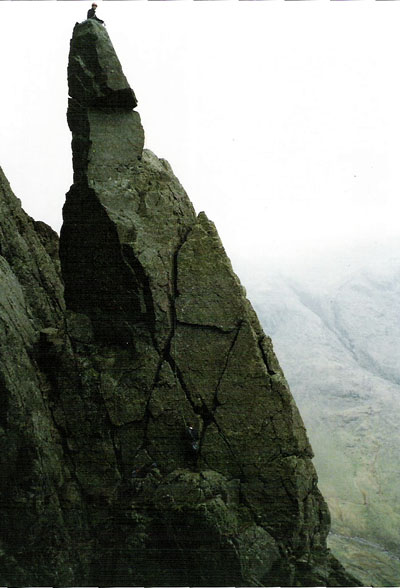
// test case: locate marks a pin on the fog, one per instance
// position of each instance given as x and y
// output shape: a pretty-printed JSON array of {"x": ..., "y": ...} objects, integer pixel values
[{"x": 281, "y": 120}]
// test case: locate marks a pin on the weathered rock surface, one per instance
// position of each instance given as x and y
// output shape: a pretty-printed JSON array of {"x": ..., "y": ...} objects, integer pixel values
[
  {"x": 157, "y": 334},
  {"x": 31, "y": 454},
  {"x": 95, "y": 76}
]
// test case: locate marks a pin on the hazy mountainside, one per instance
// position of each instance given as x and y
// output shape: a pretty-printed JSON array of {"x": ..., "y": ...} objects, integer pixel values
[
  {"x": 149, "y": 331},
  {"x": 339, "y": 347},
  {"x": 366, "y": 313}
]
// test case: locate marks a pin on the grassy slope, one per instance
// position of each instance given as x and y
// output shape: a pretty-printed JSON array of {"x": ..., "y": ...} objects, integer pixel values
[{"x": 349, "y": 397}]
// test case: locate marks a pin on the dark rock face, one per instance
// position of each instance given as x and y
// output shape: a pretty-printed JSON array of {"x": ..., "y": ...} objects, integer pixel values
[
  {"x": 31, "y": 455},
  {"x": 103, "y": 484},
  {"x": 94, "y": 72}
]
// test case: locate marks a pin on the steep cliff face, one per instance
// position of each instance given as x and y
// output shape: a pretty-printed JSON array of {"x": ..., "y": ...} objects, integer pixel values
[
  {"x": 104, "y": 484},
  {"x": 31, "y": 454}
]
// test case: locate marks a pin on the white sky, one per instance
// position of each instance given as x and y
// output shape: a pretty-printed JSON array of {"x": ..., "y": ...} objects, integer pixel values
[{"x": 281, "y": 119}]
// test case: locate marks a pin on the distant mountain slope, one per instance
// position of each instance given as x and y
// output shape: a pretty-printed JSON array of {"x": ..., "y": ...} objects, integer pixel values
[
  {"x": 366, "y": 314},
  {"x": 339, "y": 349}
]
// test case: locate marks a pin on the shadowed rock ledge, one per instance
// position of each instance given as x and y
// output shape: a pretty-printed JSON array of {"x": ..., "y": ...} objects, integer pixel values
[{"x": 157, "y": 334}]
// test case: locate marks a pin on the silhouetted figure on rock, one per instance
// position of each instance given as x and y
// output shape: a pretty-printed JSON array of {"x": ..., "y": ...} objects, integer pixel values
[{"x": 92, "y": 14}]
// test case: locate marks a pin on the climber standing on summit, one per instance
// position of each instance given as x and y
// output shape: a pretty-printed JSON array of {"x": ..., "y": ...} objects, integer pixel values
[{"x": 92, "y": 13}]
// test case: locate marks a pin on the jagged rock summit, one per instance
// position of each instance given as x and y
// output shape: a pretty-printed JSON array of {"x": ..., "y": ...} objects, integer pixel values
[
  {"x": 95, "y": 76},
  {"x": 101, "y": 484}
]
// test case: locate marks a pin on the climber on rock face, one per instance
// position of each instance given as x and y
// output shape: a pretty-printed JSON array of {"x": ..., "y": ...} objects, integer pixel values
[
  {"x": 192, "y": 442},
  {"x": 92, "y": 13}
]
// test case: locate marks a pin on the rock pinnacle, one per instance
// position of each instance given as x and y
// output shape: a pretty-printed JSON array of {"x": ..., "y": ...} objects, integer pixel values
[{"x": 148, "y": 434}]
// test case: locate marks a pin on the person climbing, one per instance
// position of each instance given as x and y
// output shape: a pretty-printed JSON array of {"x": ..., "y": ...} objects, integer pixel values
[
  {"x": 192, "y": 443},
  {"x": 92, "y": 13}
]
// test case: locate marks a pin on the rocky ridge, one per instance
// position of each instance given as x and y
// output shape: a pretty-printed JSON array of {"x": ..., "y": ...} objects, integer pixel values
[{"x": 155, "y": 333}]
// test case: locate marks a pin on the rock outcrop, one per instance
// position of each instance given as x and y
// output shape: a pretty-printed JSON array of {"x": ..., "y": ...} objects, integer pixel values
[{"x": 101, "y": 484}]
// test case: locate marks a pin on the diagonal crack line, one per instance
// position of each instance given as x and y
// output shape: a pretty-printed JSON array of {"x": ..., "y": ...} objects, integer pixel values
[
  {"x": 290, "y": 495},
  {"x": 142, "y": 281},
  {"x": 147, "y": 412},
  {"x": 208, "y": 327},
  {"x": 210, "y": 414},
  {"x": 227, "y": 443},
  {"x": 167, "y": 353},
  {"x": 223, "y": 372},
  {"x": 177, "y": 372},
  {"x": 270, "y": 371}
]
